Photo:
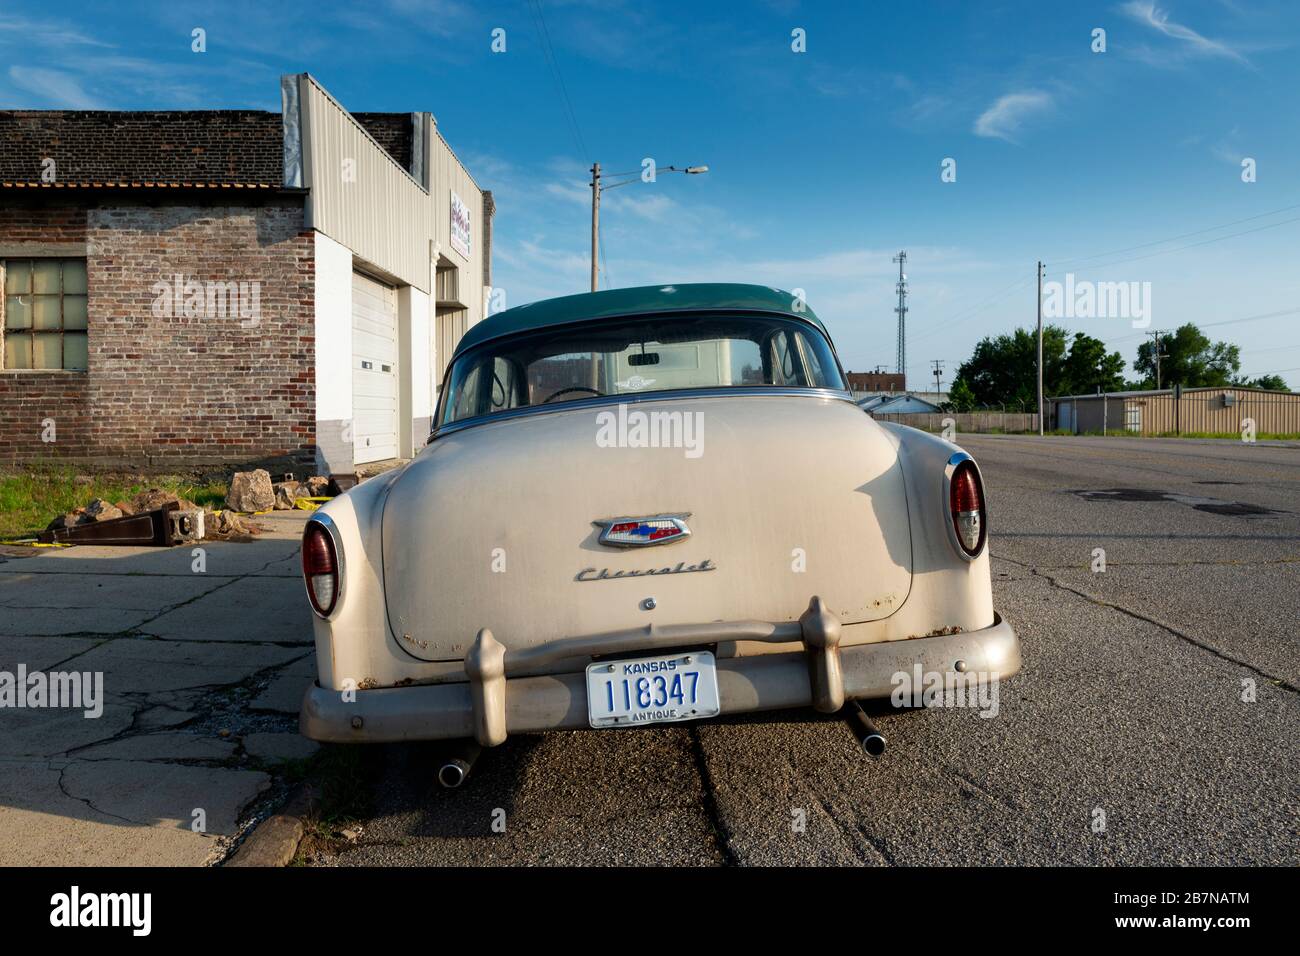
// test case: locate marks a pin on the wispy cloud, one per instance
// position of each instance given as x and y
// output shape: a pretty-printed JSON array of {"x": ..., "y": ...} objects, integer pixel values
[
  {"x": 1193, "y": 43},
  {"x": 1228, "y": 149},
  {"x": 45, "y": 33},
  {"x": 1004, "y": 118},
  {"x": 54, "y": 87}
]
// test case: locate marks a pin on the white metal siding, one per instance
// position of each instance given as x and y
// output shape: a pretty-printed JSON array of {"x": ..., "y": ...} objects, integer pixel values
[
  {"x": 374, "y": 370},
  {"x": 450, "y": 326},
  {"x": 360, "y": 196}
]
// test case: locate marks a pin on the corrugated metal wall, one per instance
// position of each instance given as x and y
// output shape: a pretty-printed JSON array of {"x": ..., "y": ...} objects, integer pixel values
[
  {"x": 450, "y": 327},
  {"x": 1092, "y": 415},
  {"x": 1198, "y": 410},
  {"x": 363, "y": 198},
  {"x": 1204, "y": 410},
  {"x": 446, "y": 174}
]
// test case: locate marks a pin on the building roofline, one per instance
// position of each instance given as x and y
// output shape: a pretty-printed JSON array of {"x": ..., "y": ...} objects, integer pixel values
[
  {"x": 276, "y": 187},
  {"x": 1169, "y": 391},
  {"x": 360, "y": 126}
]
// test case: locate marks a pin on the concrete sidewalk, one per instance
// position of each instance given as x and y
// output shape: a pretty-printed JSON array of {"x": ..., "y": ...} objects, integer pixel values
[{"x": 203, "y": 665}]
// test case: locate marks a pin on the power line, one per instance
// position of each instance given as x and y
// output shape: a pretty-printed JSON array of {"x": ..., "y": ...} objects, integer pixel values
[
  {"x": 972, "y": 310},
  {"x": 1157, "y": 354},
  {"x": 1193, "y": 245},
  {"x": 548, "y": 52},
  {"x": 1211, "y": 325},
  {"x": 604, "y": 262},
  {"x": 1185, "y": 235}
]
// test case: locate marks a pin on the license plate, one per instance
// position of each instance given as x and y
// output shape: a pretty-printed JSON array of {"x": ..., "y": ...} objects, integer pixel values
[{"x": 652, "y": 690}]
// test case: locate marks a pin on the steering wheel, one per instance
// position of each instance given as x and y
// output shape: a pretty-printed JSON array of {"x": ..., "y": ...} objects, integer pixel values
[{"x": 572, "y": 388}]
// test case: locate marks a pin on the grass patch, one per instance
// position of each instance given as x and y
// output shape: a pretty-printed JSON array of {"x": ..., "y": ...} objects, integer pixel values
[
  {"x": 341, "y": 775},
  {"x": 30, "y": 500},
  {"x": 1124, "y": 433}
]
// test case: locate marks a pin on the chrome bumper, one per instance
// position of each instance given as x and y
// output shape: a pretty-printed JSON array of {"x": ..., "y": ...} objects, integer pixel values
[{"x": 491, "y": 705}]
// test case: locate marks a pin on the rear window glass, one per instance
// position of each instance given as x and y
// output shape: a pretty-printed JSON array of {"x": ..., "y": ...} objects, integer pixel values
[{"x": 635, "y": 356}]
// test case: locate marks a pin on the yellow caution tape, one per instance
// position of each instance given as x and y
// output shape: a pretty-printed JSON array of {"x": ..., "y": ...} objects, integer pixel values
[{"x": 309, "y": 504}]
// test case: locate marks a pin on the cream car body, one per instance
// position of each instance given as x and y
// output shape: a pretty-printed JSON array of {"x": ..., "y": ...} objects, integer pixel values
[{"x": 472, "y": 589}]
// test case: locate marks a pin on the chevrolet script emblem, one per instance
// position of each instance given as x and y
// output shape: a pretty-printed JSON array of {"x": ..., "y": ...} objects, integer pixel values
[{"x": 643, "y": 532}]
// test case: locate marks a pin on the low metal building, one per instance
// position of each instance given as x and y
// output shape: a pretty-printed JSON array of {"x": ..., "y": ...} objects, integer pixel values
[
  {"x": 1179, "y": 411},
  {"x": 898, "y": 405}
]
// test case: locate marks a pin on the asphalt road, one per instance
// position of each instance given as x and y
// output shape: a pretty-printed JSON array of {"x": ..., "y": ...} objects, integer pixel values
[{"x": 1129, "y": 705}]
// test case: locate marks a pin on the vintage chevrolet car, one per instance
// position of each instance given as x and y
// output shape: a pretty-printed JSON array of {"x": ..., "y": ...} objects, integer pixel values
[{"x": 642, "y": 506}]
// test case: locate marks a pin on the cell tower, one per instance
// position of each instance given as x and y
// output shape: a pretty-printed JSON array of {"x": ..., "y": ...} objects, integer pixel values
[{"x": 901, "y": 259}]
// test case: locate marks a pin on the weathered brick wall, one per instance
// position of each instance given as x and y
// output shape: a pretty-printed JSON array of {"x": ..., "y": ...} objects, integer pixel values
[
  {"x": 28, "y": 399},
  {"x": 392, "y": 131},
  {"x": 165, "y": 387},
  {"x": 208, "y": 146}
]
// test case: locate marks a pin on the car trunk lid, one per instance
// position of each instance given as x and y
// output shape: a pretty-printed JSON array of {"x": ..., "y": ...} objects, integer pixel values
[{"x": 785, "y": 496}]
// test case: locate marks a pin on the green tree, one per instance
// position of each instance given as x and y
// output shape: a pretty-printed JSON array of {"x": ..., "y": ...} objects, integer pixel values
[
  {"x": 960, "y": 397},
  {"x": 1274, "y": 383},
  {"x": 1190, "y": 359},
  {"x": 1089, "y": 368},
  {"x": 1004, "y": 370}
]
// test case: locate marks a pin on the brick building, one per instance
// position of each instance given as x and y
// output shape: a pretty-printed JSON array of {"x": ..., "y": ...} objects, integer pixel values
[
  {"x": 870, "y": 382},
  {"x": 231, "y": 286}
]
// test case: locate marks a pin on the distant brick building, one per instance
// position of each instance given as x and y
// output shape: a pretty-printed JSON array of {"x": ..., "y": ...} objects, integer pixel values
[
  {"x": 875, "y": 381},
  {"x": 231, "y": 286}
]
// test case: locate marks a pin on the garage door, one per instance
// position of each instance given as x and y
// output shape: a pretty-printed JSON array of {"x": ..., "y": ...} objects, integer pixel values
[{"x": 374, "y": 370}]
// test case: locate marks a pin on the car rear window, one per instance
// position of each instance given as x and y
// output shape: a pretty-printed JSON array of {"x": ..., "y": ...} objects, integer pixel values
[{"x": 636, "y": 356}]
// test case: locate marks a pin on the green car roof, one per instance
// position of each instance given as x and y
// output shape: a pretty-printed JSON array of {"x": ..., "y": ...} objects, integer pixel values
[{"x": 642, "y": 300}]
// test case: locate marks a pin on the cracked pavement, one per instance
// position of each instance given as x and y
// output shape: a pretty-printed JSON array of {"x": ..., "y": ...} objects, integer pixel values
[
  {"x": 1130, "y": 704},
  {"x": 203, "y": 672}
]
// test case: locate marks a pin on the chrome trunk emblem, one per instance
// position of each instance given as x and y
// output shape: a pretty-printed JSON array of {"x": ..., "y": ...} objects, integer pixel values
[{"x": 643, "y": 532}]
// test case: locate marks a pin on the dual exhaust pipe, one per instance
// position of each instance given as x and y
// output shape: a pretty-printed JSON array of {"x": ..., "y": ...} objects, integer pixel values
[
  {"x": 456, "y": 766},
  {"x": 454, "y": 769},
  {"x": 864, "y": 729}
]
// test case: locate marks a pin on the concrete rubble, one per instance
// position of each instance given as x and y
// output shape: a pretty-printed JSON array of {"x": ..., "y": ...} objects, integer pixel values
[{"x": 251, "y": 491}]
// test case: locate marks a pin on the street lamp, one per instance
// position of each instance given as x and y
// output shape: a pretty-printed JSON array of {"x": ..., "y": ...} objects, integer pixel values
[{"x": 598, "y": 187}]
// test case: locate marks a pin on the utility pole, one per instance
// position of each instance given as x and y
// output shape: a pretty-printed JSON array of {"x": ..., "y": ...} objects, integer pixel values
[
  {"x": 598, "y": 185},
  {"x": 1159, "y": 355},
  {"x": 901, "y": 309},
  {"x": 595, "y": 220},
  {"x": 1040, "y": 348},
  {"x": 938, "y": 373}
]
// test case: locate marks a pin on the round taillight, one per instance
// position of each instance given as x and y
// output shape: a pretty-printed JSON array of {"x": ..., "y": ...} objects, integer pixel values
[
  {"x": 320, "y": 568},
  {"x": 966, "y": 503}
]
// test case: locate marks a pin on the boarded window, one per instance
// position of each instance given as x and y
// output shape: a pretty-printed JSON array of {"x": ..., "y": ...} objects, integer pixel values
[
  {"x": 45, "y": 313},
  {"x": 1133, "y": 417}
]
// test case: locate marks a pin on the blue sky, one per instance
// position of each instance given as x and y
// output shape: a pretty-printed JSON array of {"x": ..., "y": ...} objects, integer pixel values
[{"x": 823, "y": 164}]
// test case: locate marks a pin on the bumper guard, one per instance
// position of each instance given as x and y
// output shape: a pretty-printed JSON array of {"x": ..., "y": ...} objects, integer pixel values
[{"x": 491, "y": 705}]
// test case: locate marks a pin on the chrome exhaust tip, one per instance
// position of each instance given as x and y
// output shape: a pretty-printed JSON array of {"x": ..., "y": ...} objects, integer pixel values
[
  {"x": 454, "y": 770},
  {"x": 453, "y": 773},
  {"x": 864, "y": 729}
]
